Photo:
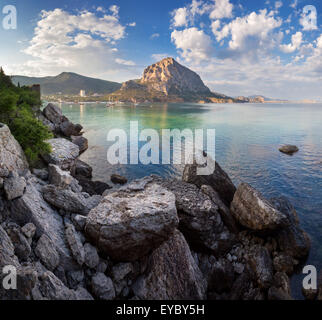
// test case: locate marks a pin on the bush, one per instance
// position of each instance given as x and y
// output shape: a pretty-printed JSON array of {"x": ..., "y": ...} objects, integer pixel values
[{"x": 16, "y": 110}]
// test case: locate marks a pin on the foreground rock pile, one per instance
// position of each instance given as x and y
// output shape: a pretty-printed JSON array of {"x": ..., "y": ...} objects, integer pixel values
[{"x": 199, "y": 238}]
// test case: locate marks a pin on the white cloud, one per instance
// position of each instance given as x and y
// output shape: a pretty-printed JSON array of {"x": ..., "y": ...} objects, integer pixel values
[
  {"x": 125, "y": 62},
  {"x": 154, "y": 36},
  {"x": 293, "y": 4},
  {"x": 159, "y": 56},
  {"x": 115, "y": 10},
  {"x": 193, "y": 44},
  {"x": 294, "y": 45},
  {"x": 180, "y": 17},
  {"x": 278, "y": 4},
  {"x": 132, "y": 24},
  {"x": 221, "y": 9}
]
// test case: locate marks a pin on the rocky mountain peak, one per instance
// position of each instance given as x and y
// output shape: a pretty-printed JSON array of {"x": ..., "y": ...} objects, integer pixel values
[{"x": 170, "y": 77}]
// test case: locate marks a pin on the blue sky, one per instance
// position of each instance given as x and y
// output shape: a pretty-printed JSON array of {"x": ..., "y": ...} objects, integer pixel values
[{"x": 238, "y": 47}]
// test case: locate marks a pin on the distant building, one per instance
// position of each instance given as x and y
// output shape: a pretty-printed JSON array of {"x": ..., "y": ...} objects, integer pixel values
[{"x": 82, "y": 93}]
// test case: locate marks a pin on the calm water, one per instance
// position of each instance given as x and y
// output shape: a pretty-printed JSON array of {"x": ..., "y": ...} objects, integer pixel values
[{"x": 247, "y": 141}]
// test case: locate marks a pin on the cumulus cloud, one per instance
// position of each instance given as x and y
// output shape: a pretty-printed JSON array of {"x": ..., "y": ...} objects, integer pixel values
[
  {"x": 295, "y": 44},
  {"x": 83, "y": 43},
  {"x": 180, "y": 17},
  {"x": 221, "y": 9}
]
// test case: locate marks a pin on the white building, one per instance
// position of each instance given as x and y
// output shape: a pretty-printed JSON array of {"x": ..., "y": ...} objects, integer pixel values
[{"x": 82, "y": 93}]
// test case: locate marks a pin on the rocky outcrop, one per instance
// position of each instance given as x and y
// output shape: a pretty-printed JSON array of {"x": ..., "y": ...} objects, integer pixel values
[
  {"x": 12, "y": 157},
  {"x": 127, "y": 225}
]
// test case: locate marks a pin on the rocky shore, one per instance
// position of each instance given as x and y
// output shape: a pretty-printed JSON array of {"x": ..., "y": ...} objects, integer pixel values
[{"x": 71, "y": 238}]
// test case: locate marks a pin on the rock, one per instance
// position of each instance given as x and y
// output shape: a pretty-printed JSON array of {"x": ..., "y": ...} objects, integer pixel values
[
  {"x": 283, "y": 263},
  {"x": 81, "y": 142},
  {"x": 7, "y": 252},
  {"x": 12, "y": 157},
  {"x": 117, "y": 179},
  {"x": 126, "y": 225},
  {"x": 29, "y": 230},
  {"x": 261, "y": 263},
  {"x": 82, "y": 169},
  {"x": 53, "y": 289},
  {"x": 310, "y": 294},
  {"x": 1, "y": 183},
  {"x": 46, "y": 252},
  {"x": 21, "y": 244},
  {"x": 103, "y": 287},
  {"x": 53, "y": 113},
  {"x": 222, "y": 276},
  {"x": 31, "y": 208},
  {"x": 75, "y": 279},
  {"x": 75, "y": 244},
  {"x": 82, "y": 294},
  {"x": 69, "y": 129},
  {"x": 41, "y": 173},
  {"x": 289, "y": 149},
  {"x": 79, "y": 222},
  {"x": 92, "y": 187},
  {"x": 281, "y": 287},
  {"x": 200, "y": 221},
  {"x": 68, "y": 200},
  {"x": 277, "y": 294},
  {"x": 254, "y": 212},
  {"x": 59, "y": 177},
  {"x": 91, "y": 256},
  {"x": 172, "y": 273},
  {"x": 14, "y": 186},
  {"x": 224, "y": 211},
  {"x": 218, "y": 180},
  {"x": 64, "y": 153},
  {"x": 119, "y": 274}
]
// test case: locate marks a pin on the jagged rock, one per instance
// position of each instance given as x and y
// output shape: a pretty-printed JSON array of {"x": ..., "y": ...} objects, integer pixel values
[
  {"x": 64, "y": 153},
  {"x": 103, "y": 287},
  {"x": 81, "y": 142},
  {"x": 69, "y": 129},
  {"x": 261, "y": 263},
  {"x": 119, "y": 274},
  {"x": 218, "y": 180},
  {"x": 59, "y": 177},
  {"x": 91, "y": 256},
  {"x": 53, "y": 113},
  {"x": 75, "y": 279},
  {"x": 75, "y": 244},
  {"x": 199, "y": 217},
  {"x": 31, "y": 207},
  {"x": 79, "y": 222},
  {"x": 224, "y": 211},
  {"x": 47, "y": 253},
  {"x": 82, "y": 169},
  {"x": 41, "y": 173},
  {"x": 172, "y": 273},
  {"x": 283, "y": 263},
  {"x": 68, "y": 200},
  {"x": 126, "y": 225},
  {"x": 7, "y": 252},
  {"x": 92, "y": 187},
  {"x": 21, "y": 244},
  {"x": 289, "y": 149},
  {"x": 53, "y": 289},
  {"x": 82, "y": 294},
  {"x": 12, "y": 157},
  {"x": 29, "y": 230},
  {"x": 117, "y": 179},
  {"x": 254, "y": 212},
  {"x": 281, "y": 287},
  {"x": 14, "y": 186}
]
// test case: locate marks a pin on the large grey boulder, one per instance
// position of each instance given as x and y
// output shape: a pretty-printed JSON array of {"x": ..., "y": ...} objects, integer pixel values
[
  {"x": 218, "y": 180},
  {"x": 47, "y": 253},
  {"x": 172, "y": 273},
  {"x": 102, "y": 287},
  {"x": 69, "y": 129},
  {"x": 81, "y": 142},
  {"x": 21, "y": 244},
  {"x": 32, "y": 208},
  {"x": 91, "y": 258},
  {"x": 75, "y": 244},
  {"x": 64, "y": 153},
  {"x": 127, "y": 224},
  {"x": 200, "y": 220},
  {"x": 14, "y": 186},
  {"x": 53, "y": 113},
  {"x": 254, "y": 212},
  {"x": 12, "y": 157}
]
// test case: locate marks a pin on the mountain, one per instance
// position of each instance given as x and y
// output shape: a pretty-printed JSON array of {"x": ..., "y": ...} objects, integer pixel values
[
  {"x": 69, "y": 83},
  {"x": 166, "y": 81}
]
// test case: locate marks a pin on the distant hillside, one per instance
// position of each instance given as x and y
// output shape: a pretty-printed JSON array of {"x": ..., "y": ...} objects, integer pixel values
[
  {"x": 167, "y": 81},
  {"x": 69, "y": 84}
]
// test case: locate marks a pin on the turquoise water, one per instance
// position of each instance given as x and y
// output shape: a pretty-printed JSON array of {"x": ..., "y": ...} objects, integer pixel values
[{"x": 247, "y": 141}]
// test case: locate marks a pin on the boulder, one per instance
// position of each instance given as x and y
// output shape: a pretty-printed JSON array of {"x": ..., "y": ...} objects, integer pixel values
[
  {"x": 69, "y": 129},
  {"x": 218, "y": 180},
  {"x": 47, "y": 253},
  {"x": 58, "y": 177},
  {"x": 92, "y": 187},
  {"x": 102, "y": 287},
  {"x": 53, "y": 113},
  {"x": 21, "y": 244},
  {"x": 64, "y": 153},
  {"x": 29, "y": 230},
  {"x": 82, "y": 169},
  {"x": 12, "y": 157},
  {"x": 200, "y": 220},
  {"x": 91, "y": 257},
  {"x": 41, "y": 173},
  {"x": 289, "y": 149},
  {"x": 254, "y": 212},
  {"x": 221, "y": 277},
  {"x": 79, "y": 222},
  {"x": 117, "y": 179},
  {"x": 75, "y": 244},
  {"x": 14, "y": 186},
  {"x": 83, "y": 295},
  {"x": 172, "y": 273},
  {"x": 126, "y": 225},
  {"x": 81, "y": 142}
]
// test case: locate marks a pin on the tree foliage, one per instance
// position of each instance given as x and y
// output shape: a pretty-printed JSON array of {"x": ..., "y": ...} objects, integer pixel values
[{"x": 17, "y": 110}]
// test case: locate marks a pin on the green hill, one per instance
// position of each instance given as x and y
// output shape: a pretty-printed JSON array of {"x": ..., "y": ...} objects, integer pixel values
[{"x": 68, "y": 83}]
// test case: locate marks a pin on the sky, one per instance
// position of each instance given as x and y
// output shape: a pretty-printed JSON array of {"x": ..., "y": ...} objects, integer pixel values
[{"x": 238, "y": 47}]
